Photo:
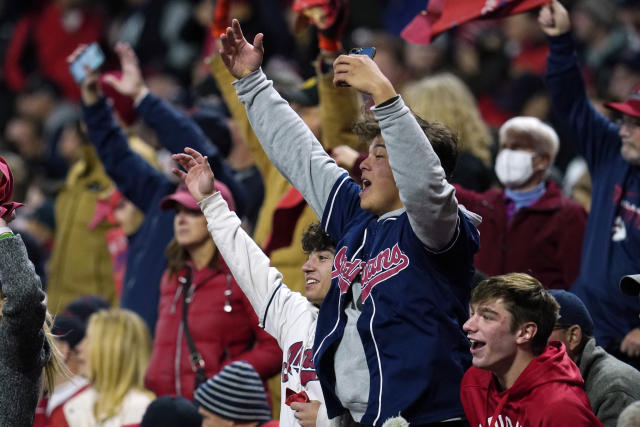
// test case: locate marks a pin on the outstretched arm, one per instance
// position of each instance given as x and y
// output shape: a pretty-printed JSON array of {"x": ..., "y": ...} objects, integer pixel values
[
  {"x": 594, "y": 135},
  {"x": 288, "y": 142},
  {"x": 174, "y": 129},
  {"x": 424, "y": 191},
  {"x": 23, "y": 312},
  {"x": 275, "y": 305}
]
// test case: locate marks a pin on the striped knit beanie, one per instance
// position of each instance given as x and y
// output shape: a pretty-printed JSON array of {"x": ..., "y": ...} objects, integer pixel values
[{"x": 236, "y": 393}]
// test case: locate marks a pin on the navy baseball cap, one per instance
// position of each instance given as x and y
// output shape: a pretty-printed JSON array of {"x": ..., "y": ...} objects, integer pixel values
[{"x": 572, "y": 311}]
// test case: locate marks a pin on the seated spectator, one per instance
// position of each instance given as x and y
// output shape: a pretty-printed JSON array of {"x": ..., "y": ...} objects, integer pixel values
[
  {"x": 69, "y": 331},
  {"x": 516, "y": 377},
  {"x": 200, "y": 300},
  {"x": 169, "y": 411},
  {"x": 233, "y": 397},
  {"x": 610, "y": 384},
  {"x": 529, "y": 225},
  {"x": 288, "y": 316},
  {"x": 116, "y": 352}
]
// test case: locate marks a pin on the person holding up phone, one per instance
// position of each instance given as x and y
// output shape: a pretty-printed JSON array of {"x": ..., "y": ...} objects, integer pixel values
[{"x": 389, "y": 336}]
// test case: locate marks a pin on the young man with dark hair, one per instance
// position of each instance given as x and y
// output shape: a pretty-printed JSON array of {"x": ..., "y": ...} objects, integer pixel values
[
  {"x": 516, "y": 378},
  {"x": 286, "y": 315},
  {"x": 388, "y": 338},
  {"x": 610, "y": 384}
]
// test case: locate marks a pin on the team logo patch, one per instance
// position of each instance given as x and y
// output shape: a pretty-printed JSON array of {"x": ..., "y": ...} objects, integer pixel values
[
  {"x": 301, "y": 360},
  {"x": 383, "y": 266}
]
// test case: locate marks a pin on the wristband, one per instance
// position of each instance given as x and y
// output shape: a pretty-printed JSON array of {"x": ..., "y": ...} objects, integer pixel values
[{"x": 5, "y": 235}]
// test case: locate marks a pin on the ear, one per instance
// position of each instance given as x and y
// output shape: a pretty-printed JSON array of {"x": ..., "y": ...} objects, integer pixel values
[
  {"x": 64, "y": 348},
  {"x": 526, "y": 332},
  {"x": 574, "y": 335}
]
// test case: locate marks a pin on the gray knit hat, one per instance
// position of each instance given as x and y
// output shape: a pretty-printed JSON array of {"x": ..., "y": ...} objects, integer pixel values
[{"x": 236, "y": 393}]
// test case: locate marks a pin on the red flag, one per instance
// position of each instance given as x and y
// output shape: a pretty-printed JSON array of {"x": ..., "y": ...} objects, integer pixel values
[{"x": 442, "y": 15}]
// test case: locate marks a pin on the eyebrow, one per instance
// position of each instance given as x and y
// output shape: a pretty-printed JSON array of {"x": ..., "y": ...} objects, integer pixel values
[
  {"x": 486, "y": 310},
  {"x": 379, "y": 145}
]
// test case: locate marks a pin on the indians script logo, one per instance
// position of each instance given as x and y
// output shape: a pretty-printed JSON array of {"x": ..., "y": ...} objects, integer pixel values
[
  {"x": 301, "y": 360},
  {"x": 502, "y": 422},
  {"x": 386, "y": 264}
]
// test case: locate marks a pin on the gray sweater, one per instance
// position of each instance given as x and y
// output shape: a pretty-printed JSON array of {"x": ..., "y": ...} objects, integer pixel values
[
  {"x": 610, "y": 384},
  {"x": 23, "y": 347}
]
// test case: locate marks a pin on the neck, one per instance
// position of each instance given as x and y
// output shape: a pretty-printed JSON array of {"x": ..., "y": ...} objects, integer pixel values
[
  {"x": 520, "y": 362},
  {"x": 202, "y": 253}
]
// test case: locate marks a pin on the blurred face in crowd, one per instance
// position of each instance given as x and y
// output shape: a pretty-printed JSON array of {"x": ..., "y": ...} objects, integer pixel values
[
  {"x": 493, "y": 344},
  {"x": 525, "y": 142},
  {"x": 83, "y": 355},
  {"x": 570, "y": 336},
  {"x": 190, "y": 227},
  {"x": 379, "y": 193},
  {"x": 210, "y": 419},
  {"x": 317, "y": 275},
  {"x": 128, "y": 216},
  {"x": 24, "y": 136},
  {"x": 629, "y": 131}
]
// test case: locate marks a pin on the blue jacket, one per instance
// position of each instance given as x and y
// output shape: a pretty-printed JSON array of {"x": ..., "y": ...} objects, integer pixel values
[
  {"x": 414, "y": 304},
  {"x": 611, "y": 246},
  {"x": 145, "y": 187}
]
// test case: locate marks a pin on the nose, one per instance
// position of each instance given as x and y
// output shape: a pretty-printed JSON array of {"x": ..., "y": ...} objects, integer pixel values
[
  {"x": 469, "y": 325},
  {"x": 307, "y": 267},
  {"x": 364, "y": 165}
]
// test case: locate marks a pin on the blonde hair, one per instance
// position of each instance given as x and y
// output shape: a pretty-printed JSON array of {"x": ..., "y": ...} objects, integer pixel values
[
  {"x": 119, "y": 348},
  {"x": 55, "y": 365},
  {"x": 445, "y": 98}
]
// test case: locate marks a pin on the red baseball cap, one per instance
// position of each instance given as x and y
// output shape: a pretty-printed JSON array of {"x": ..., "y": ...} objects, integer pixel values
[
  {"x": 631, "y": 106},
  {"x": 182, "y": 197}
]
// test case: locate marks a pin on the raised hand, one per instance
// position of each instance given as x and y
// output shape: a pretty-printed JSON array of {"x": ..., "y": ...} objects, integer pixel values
[
  {"x": 360, "y": 72},
  {"x": 199, "y": 176},
  {"x": 554, "y": 19},
  {"x": 130, "y": 83},
  {"x": 89, "y": 89},
  {"x": 240, "y": 57}
]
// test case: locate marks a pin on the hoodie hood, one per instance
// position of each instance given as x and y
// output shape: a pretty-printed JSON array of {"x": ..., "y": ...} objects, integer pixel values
[{"x": 546, "y": 375}]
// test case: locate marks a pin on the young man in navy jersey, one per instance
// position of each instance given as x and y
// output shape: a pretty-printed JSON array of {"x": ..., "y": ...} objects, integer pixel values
[{"x": 388, "y": 338}]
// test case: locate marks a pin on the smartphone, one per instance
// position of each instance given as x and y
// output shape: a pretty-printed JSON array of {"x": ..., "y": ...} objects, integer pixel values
[
  {"x": 92, "y": 56},
  {"x": 369, "y": 51}
]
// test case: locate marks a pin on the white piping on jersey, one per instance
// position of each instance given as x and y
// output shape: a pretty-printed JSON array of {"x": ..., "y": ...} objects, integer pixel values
[
  {"x": 333, "y": 199},
  {"x": 375, "y": 344}
]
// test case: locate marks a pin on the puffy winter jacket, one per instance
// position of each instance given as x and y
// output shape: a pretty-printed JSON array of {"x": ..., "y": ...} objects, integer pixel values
[{"x": 220, "y": 336}]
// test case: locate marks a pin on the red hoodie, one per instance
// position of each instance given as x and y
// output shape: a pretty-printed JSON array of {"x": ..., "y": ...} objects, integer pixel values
[{"x": 549, "y": 392}]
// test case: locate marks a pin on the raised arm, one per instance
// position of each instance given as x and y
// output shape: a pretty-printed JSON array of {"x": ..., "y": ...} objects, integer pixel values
[
  {"x": 24, "y": 309},
  {"x": 288, "y": 142},
  {"x": 275, "y": 305},
  {"x": 131, "y": 173},
  {"x": 594, "y": 135},
  {"x": 174, "y": 129},
  {"x": 424, "y": 191}
]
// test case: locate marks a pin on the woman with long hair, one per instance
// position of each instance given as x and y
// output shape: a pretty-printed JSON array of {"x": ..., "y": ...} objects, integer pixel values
[
  {"x": 116, "y": 351},
  {"x": 204, "y": 319}
]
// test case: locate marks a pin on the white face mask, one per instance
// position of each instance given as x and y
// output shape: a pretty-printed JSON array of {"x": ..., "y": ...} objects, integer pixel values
[{"x": 514, "y": 167}]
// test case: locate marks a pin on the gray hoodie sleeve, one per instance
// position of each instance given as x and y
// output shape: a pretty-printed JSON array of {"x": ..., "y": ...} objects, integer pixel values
[
  {"x": 287, "y": 140},
  {"x": 424, "y": 191}
]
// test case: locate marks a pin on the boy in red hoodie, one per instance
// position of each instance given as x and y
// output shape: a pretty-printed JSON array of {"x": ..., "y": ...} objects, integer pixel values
[{"x": 516, "y": 378}]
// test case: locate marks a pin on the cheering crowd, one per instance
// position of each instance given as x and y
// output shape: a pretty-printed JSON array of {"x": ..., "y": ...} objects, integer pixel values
[{"x": 236, "y": 220}]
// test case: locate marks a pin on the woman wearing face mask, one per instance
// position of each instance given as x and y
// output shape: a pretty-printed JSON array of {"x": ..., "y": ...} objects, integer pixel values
[
  {"x": 528, "y": 225},
  {"x": 204, "y": 319}
]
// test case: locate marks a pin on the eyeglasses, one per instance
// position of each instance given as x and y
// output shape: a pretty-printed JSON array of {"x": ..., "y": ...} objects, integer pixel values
[{"x": 632, "y": 123}]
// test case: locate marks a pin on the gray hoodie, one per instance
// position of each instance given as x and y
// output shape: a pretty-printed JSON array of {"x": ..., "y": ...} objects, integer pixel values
[{"x": 23, "y": 348}]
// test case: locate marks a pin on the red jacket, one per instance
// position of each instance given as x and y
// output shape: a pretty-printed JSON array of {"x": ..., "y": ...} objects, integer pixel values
[
  {"x": 549, "y": 392},
  {"x": 221, "y": 337},
  {"x": 543, "y": 240}
]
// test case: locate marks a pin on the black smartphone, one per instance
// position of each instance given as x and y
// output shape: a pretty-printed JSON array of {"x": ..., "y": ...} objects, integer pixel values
[{"x": 369, "y": 51}]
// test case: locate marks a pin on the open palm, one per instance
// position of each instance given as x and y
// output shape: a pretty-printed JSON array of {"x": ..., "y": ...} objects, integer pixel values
[
  {"x": 130, "y": 82},
  {"x": 199, "y": 176},
  {"x": 240, "y": 57}
]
